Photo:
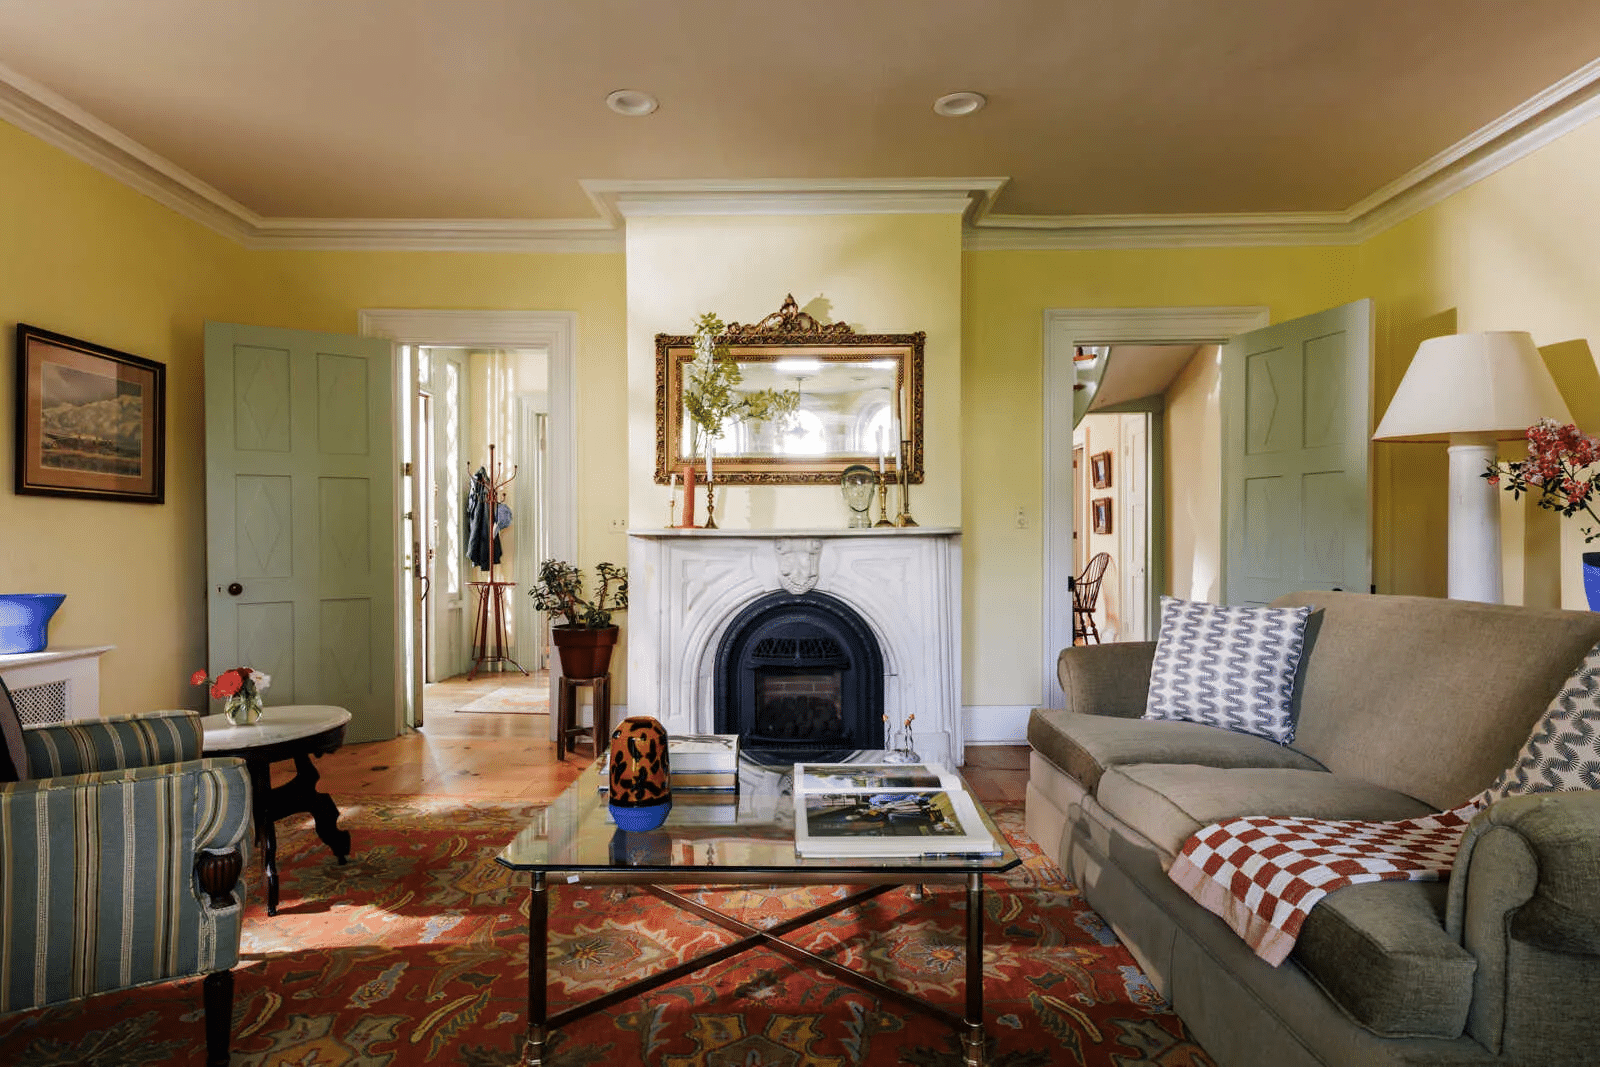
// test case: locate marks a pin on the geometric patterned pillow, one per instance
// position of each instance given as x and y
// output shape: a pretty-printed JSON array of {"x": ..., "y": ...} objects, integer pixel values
[
  {"x": 1563, "y": 752},
  {"x": 1232, "y": 667}
]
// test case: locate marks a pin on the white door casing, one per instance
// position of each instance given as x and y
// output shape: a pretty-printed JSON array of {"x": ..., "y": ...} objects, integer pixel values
[
  {"x": 1296, "y": 424},
  {"x": 1133, "y": 525},
  {"x": 1064, "y": 330},
  {"x": 302, "y": 531},
  {"x": 448, "y": 609}
]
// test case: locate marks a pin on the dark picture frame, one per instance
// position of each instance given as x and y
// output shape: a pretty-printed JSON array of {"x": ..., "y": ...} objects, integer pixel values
[
  {"x": 1100, "y": 470},
  {"x": 91, "y": 421},
  {"x": 1100, "y": 509}
]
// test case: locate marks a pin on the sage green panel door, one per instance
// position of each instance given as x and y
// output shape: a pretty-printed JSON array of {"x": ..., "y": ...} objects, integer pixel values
[
  {"x": 1296, "y": 413},
  {"x": 301, "y": 519}
]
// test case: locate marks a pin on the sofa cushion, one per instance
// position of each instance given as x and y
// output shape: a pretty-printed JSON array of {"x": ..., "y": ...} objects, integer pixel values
[
  {"x": 1085, "y": 745},
  {"x": 1563, "y": 752},
  {"x": 1169, "y": 803},
  {"x": 1233, "y": 667},
  {"x": 1380, "y": 951},
  {"x": 1428, "y": 696}
]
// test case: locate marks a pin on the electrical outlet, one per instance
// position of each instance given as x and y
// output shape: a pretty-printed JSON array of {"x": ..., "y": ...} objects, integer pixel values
[
  {"x": 1022, "y": 518},
  {"x": 619, "y": 525}
]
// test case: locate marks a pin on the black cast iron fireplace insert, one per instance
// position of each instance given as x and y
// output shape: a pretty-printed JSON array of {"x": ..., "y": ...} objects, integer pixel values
[{"x": 800, "y": 675}]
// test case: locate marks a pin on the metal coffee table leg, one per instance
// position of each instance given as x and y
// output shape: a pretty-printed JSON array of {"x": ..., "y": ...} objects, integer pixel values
[
  {"x": 972, "y": 1050},
  {"x": 538, "y": 958}
]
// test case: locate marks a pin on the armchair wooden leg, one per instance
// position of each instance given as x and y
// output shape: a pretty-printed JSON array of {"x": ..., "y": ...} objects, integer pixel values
[{"x": 218, "y": 999}]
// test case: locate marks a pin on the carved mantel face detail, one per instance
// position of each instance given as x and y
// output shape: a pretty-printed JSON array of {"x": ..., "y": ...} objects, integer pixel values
[{"x": 798, "y": 561}]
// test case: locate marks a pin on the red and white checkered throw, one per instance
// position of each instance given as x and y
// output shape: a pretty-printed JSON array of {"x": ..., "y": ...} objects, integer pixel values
[{"x": 1261, "y": 874}]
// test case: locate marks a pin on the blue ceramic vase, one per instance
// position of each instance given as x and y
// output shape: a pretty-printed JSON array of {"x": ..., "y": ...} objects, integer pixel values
[
  {"x": 1591, "y": 579},
  {"x": 25, "y": 619}
]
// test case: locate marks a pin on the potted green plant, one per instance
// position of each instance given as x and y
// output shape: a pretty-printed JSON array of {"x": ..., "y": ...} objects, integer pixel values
[{"x": 585, "y": 638}]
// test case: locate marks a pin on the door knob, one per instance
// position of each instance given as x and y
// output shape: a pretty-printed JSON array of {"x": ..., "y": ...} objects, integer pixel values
[{"x": 234, "y": 589}]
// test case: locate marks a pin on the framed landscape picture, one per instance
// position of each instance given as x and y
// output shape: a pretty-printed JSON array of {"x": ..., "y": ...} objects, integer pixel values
[{"x": 91, "y": 421}]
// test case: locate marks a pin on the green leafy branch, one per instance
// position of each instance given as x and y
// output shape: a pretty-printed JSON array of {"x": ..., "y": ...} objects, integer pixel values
[{"x": 711, "y": 380}]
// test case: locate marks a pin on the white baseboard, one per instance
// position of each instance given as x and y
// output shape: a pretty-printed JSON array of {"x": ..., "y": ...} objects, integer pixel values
[{"x": 996, "y": 724}]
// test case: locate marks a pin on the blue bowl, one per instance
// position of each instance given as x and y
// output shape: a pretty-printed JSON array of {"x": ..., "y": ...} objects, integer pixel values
[
  {"x": 645, "y": 818},
  {"x": 24, "y": 618}
]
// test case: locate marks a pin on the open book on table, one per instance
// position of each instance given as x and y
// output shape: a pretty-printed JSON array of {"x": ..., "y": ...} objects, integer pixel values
[{"x": 885, "y": 809}]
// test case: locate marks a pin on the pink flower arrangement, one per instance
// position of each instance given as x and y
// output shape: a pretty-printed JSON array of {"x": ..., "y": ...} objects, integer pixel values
[{"x": 1561, "y": 465}]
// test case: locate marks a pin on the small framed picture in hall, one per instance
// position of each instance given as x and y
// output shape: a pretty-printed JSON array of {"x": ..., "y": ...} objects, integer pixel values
[
  {"x": 1100, "y": 470},
  {"x": 1100, "y": 511},
  {"x": 91, "y": 421}
]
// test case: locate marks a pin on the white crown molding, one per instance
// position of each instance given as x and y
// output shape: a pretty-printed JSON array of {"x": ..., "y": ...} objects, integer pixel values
[
  {"x": 437, "y": 235},
  {"x": 617, "y": 200},
  {"x": 1523, "y": 130},
  {"x": 1158, "y": 231},
  {"x": 1531, "y": 125},
  {"x": 57, "y": 121}
]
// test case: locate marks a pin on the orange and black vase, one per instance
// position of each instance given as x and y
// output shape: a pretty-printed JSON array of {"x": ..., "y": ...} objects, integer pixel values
[{"x": 641, "y": 782}]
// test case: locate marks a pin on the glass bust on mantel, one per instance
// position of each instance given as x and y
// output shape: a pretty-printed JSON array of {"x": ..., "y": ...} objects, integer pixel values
[{"x": 860, "y": 402}]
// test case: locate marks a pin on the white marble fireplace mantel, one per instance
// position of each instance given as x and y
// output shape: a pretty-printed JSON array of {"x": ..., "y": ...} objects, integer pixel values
[{"x": 686, "y": 586}]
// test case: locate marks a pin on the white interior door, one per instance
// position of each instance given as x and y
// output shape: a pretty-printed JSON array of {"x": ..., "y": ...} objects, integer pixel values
[
  {"x": 1296, "y": 415},
  {"x": 1134, "y": 536},
  {"x": 301, "y": 523}
]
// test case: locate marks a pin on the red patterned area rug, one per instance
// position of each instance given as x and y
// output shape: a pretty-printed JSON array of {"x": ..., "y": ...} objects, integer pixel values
[{"x": 415, "y": 953}]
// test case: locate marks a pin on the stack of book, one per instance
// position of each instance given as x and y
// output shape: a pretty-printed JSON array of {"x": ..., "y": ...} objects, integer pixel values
[{"x": 697, "y": 763}]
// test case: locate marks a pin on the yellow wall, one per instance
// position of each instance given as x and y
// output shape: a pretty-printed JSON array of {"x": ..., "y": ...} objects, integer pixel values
[
  {"x": 1516, "y": 251},
  {"x": 879, "y": 273},
  {"x": 81, "y": 254},
  {"x": 1194, "y": 478},
  {"x": 1005, "y": 295},
  {"x": 86, "y": 256}
]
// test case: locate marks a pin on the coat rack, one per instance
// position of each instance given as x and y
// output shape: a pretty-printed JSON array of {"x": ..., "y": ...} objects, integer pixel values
[{"x": 489, "y": 629}]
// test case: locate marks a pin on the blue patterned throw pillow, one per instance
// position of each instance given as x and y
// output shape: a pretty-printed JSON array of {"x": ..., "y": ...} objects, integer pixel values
[
  {"x": 1229, "y": 667},
  {"x": 1563, "y": 752}
]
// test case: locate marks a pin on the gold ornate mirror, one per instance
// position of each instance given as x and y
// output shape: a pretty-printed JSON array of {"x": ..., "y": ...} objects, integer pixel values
[{"x": 855, "y": 389}]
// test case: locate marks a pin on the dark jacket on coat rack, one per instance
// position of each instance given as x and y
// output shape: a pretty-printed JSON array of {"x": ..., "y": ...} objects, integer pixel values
[{"x": 483, "y": 535}]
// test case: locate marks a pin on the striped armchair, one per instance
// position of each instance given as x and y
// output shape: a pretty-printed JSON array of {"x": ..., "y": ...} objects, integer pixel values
[{"x": 120, "y": 853}]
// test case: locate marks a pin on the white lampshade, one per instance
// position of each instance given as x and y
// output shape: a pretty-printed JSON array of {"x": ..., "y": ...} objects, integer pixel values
[
  {"x": 1472, "y": 389},
  {"x": 1472, "y": 383}
]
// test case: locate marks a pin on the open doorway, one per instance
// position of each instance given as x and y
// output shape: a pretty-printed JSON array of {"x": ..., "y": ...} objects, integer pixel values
[
  {"x": 1288, "y": 410},
  {"x": 1134, "y": 506},
  {"x": 478, "y": 461},
  {"x": 475, "y": 378}
]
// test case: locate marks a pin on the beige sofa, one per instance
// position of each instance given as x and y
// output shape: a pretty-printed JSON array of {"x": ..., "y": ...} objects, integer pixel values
[{"x": 1409, "y": 705}]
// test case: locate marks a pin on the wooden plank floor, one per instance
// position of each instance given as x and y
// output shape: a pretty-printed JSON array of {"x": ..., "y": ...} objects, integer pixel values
[{"x": 475, "y": 755}]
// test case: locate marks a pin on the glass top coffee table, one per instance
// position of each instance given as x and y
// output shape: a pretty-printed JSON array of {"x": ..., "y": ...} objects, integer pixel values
[{"x": 715, "y": 839}]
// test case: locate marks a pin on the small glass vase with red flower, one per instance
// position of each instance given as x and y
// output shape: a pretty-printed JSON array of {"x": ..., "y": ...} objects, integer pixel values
[{"x": 240, "y": 691}]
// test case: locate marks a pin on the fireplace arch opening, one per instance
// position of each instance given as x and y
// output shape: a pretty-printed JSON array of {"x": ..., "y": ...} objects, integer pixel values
[{"x": 800, "y": 673}]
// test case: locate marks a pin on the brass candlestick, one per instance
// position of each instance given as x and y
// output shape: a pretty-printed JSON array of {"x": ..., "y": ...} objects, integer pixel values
[
  {"x": 883, "y": 504},
  {"x": 711, "y": 504},
  {"x": 904, "y": 472}
]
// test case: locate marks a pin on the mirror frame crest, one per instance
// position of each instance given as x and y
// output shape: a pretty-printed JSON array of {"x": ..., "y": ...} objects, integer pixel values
[{"x": 785, "y": 334}]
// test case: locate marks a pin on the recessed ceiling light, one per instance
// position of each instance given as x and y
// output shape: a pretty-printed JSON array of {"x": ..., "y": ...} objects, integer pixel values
[
  {"x": 632, "y": 102},
  {"x": 959, "y": 103}
]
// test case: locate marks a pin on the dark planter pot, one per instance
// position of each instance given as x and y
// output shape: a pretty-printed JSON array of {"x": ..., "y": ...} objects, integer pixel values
[
  {"x": 1591, "y": 579},
  {"x": 584, "y": 653}
]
